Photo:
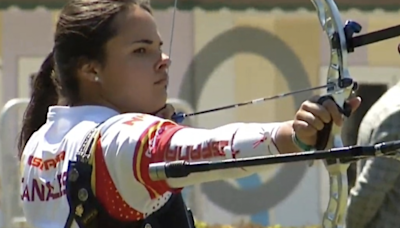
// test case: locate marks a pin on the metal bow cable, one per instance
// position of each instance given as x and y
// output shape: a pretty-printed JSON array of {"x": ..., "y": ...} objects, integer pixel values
[{"x": 339, "y": 87}]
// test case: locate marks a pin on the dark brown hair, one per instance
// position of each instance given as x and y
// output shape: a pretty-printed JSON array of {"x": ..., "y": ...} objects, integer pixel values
[{"x": 83, "y": 29}]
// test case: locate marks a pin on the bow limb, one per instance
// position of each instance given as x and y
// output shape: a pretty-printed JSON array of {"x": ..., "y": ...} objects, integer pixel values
[{"x": 330, "y": 136}]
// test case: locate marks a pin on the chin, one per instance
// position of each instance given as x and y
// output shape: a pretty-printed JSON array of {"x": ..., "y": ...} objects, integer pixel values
[{"x": 165, "y": 96}]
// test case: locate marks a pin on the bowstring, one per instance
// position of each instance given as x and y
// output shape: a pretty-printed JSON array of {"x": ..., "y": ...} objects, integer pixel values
[
  {"x": 171, "y": 38},
  {"x": 172, "y": 28}
]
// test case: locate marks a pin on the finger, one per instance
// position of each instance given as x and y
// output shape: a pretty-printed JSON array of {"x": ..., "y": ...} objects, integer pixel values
[
  {"x": 160, "y": 113},
  {"x": 333, "y": 111},
  {"x": 312, "y": 120},
  {"x": 318, "y": 110},
  {"x": 304, "y": 128},
  {"x": 170, "y": 109},
  {"x": 166, "y": 112},
  {"x": 355, "y": 103}
]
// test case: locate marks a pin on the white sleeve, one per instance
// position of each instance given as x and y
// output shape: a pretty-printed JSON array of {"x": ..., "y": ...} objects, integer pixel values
[
  {"x": 131, "y": 142},
  {"x": 235, "y": 140}
]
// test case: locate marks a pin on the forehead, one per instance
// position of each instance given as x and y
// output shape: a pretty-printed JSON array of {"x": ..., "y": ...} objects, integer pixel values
[{"x": 136, "y": 24}]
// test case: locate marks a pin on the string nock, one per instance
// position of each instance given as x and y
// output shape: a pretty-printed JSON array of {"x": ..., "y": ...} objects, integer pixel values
[
  {"x": 179, "y": 117},
  {"x": 350, "y": 28}
]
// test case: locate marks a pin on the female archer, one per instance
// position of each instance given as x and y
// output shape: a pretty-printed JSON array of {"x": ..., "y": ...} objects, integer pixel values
[{"x": 98, "y": 117}]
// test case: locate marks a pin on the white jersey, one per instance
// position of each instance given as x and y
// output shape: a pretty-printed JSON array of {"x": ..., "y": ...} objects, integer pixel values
[{"x": 128, "y": 143}]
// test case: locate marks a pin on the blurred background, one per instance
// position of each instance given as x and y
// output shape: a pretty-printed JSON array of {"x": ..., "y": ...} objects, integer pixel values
[{"x": 223, "y": 51}]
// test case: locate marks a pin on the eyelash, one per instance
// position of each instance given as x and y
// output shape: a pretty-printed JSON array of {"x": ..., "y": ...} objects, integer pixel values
[{"x": 140, "y": 51}]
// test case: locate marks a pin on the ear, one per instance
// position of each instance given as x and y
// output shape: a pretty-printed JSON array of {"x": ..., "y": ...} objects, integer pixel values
[{"x": 89, "y": 71}]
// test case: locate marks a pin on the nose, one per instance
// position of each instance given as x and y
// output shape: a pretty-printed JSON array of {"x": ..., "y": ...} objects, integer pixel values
[{"x": 164, "y": 63}]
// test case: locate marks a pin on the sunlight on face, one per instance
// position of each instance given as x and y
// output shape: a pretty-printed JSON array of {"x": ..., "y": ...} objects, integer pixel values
[{"x": 135, "y": 76}]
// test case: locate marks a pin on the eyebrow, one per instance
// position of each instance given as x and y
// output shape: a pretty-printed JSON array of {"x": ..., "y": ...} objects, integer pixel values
[{"x": 145, "y": 41}]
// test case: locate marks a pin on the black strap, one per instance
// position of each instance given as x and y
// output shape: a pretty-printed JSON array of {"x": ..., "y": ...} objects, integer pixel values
[
  {"x": 82, "y": 157},
  {"x": 92, "y": 214}
]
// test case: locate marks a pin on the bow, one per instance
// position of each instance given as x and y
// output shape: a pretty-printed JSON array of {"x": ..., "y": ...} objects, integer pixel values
[
  {"x": 339, "y": 87},
  {"x": 330, "y": 136}
]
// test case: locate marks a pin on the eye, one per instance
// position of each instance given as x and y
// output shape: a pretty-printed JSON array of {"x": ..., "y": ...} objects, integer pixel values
[{"x": 140, "y": 51}]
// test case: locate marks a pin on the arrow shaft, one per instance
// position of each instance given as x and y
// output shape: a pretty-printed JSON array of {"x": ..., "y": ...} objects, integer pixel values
[{"x": 252, "y": 102}]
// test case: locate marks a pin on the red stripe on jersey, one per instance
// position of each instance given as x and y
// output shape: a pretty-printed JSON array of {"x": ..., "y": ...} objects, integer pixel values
[
  {"x": 146, "y": 153},
  {"x": 163, "y": 143},
  {"x": 163, "y": 140},
  {"x": 107, "y": 193}
]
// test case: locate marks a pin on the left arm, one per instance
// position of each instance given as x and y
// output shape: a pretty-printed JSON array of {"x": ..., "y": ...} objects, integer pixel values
[{"x": 283, "y": 138}]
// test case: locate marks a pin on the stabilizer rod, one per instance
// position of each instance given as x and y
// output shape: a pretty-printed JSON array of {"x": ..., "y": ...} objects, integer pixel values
[
  {"x": 374, "y": 37},
  {"x": 175, "y": 169}
]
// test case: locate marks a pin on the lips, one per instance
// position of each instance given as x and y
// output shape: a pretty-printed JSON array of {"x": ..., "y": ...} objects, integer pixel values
[{"x": 163, "y": 81}]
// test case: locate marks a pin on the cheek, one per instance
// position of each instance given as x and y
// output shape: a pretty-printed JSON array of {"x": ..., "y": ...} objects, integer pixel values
[
  {"x": 132, "y": 77},
  {"x": 123, "y": 74},
  {"x": 140, "y": 75},
  {"x": 133, "y": 83}
]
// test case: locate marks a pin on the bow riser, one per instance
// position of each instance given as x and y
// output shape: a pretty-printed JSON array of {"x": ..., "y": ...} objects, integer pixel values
[
  {"x": 334, "y": 216},
  {"x": 330, "y": 136}
]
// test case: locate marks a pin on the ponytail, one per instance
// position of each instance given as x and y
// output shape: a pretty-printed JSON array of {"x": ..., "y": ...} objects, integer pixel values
[{"x": 44, "y": 94}]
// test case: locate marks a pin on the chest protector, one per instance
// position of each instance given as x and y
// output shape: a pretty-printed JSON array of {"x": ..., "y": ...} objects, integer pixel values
[{"x": 88, "y": 212}]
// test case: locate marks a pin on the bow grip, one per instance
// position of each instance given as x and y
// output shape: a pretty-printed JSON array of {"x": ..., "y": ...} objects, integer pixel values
[{"x": 324, "y": 134}]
